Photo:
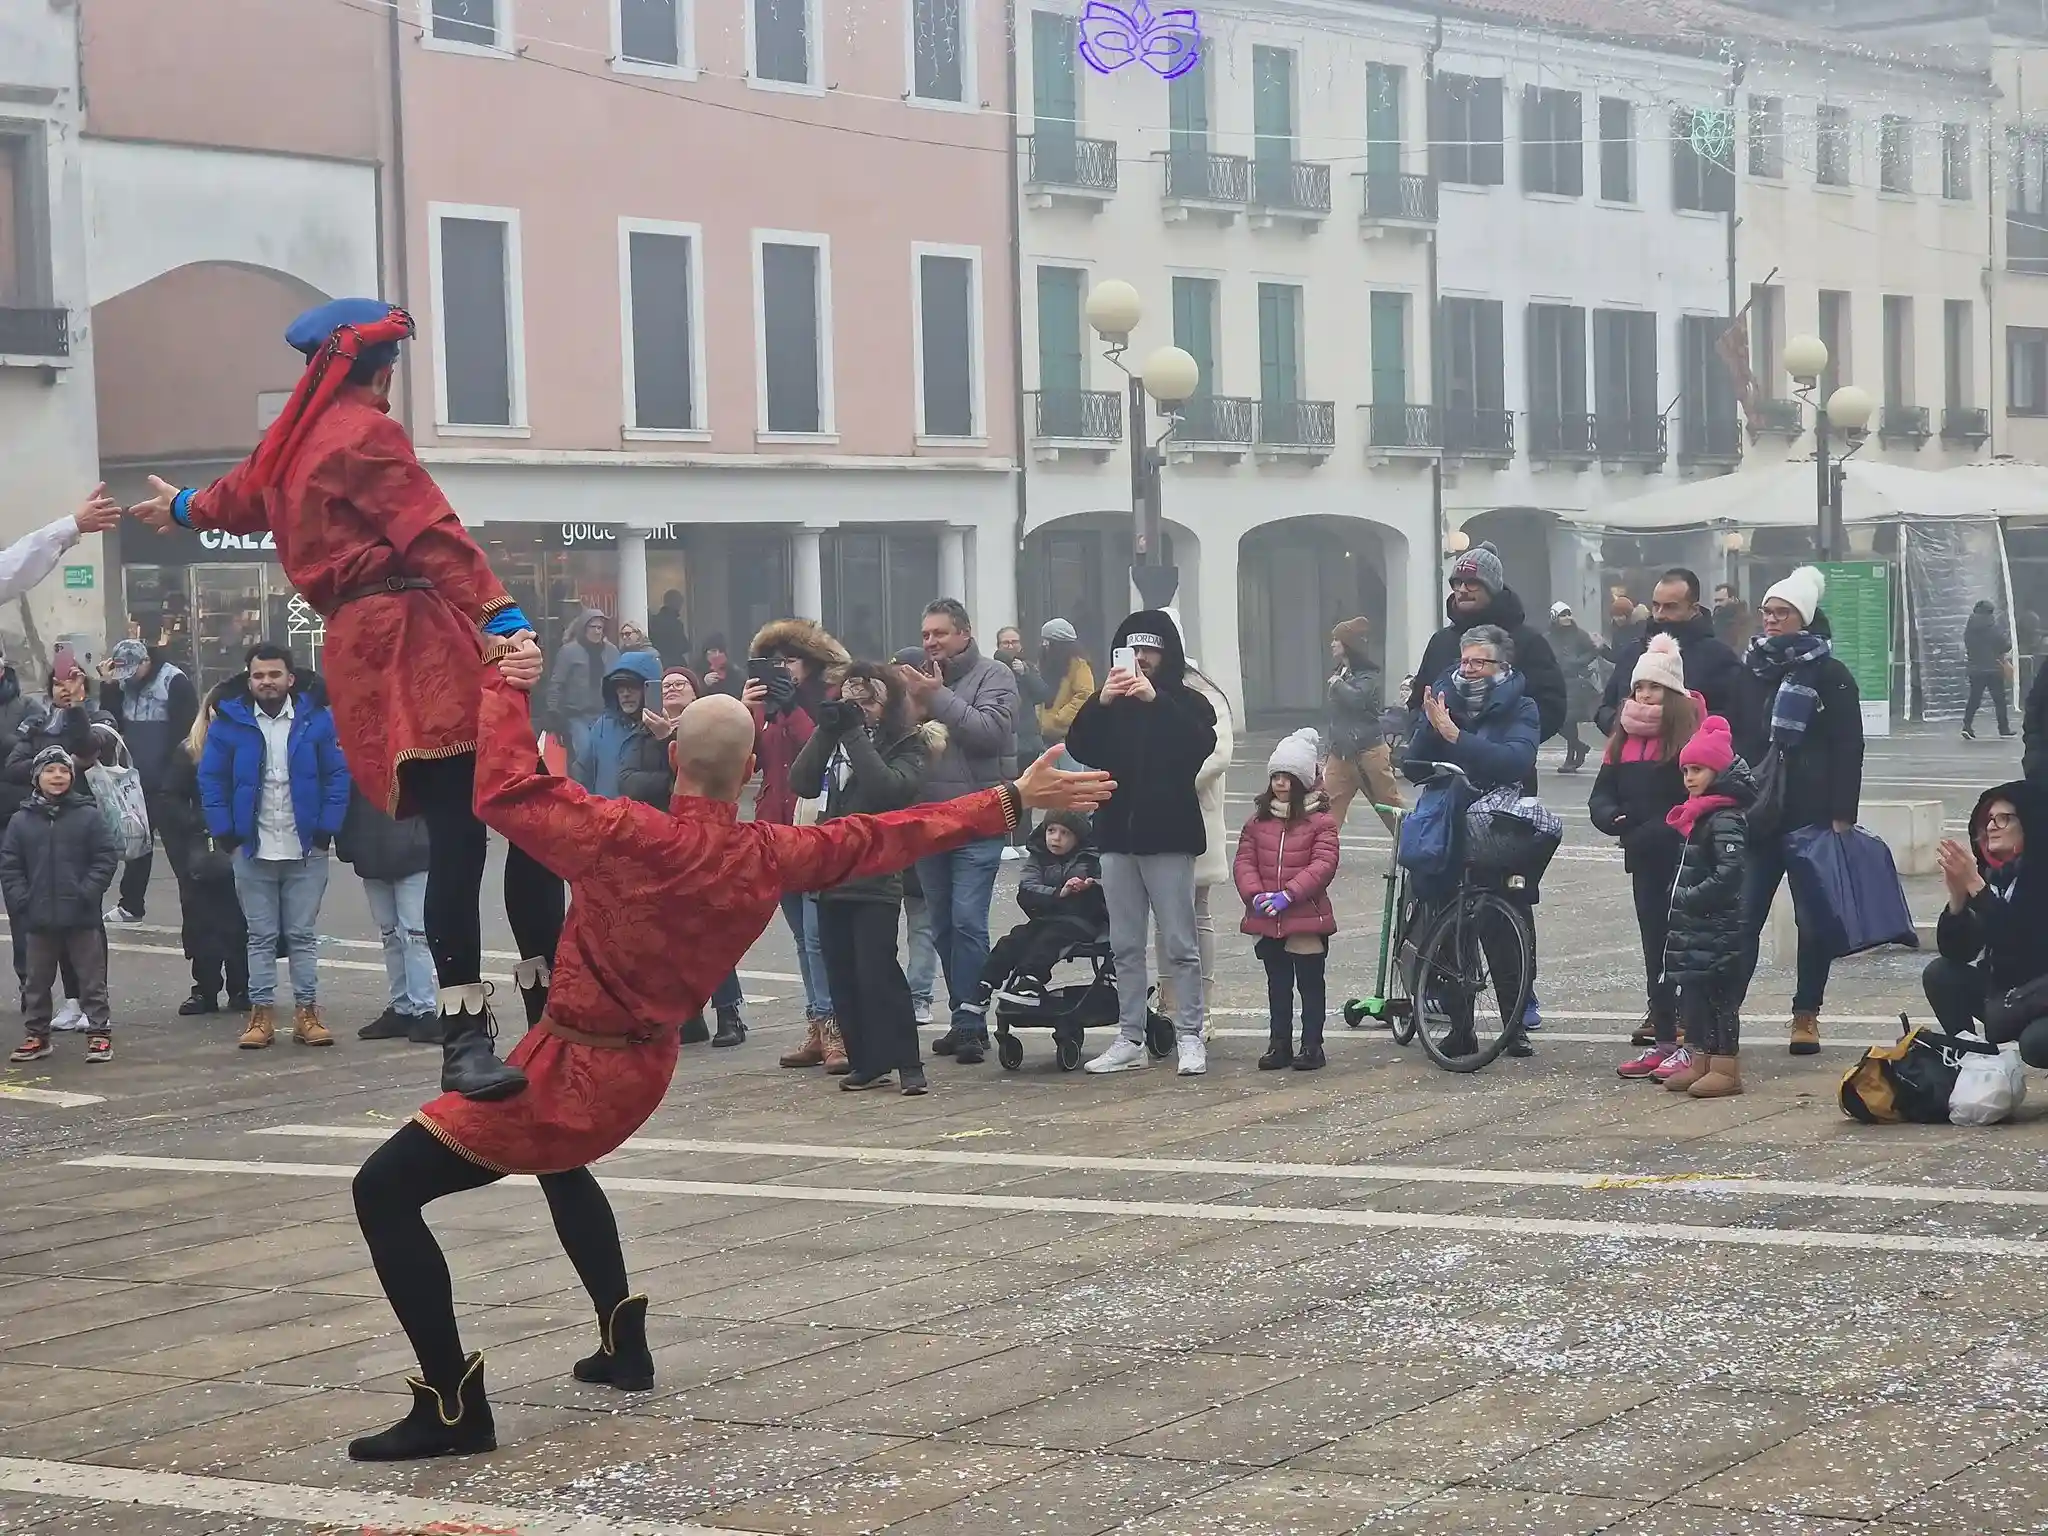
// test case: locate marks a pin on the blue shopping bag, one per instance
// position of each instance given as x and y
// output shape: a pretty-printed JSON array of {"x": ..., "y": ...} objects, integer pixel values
[
  {"x": 1429, "y": 833},
  {"x": 1846, "y": 890}
]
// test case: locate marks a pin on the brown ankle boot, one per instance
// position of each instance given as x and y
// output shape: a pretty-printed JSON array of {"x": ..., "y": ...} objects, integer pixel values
[
  {"x": 811, "y": 1053},
  {"x": 1805, "y": 1034},
  {"x": 260, "y": 1029},
  {"x": 1682, "y": 1080},
  {"x": 835, "y": 1049},
  {"x": 1723, "y": 1079},
  {"x": 307, "y": 1028}
]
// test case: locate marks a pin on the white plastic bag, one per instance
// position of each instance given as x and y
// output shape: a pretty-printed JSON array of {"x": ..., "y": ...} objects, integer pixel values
[{"x": 1988, "y": 1087}]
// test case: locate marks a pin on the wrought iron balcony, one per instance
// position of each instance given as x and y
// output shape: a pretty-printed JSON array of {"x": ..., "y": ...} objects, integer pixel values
[
  {"x": 1709, "y": 440},
  {"x": 1217, "y": 419},
  {"x": 1309, "y": 426},
  {"x": 1063, "y": 164},
  {"x": 1561, "y": 435},
  {"x": 1400, "y": 428},
  {"x": 35, "y": 332},
  {"x": 1395, "y": 199},
  {"x": 1291, "y": 188},
  {"x": 1197, "y": 176},
  {"x": 1779, "y": 418},
  {"x": 1077, "y": 415},
  {"x": 1477, "y": 434},
  {"x": 1966, "y": 424},
  {"x": 1631, "y": 439},
  {"x": 1905, "y": 424}
]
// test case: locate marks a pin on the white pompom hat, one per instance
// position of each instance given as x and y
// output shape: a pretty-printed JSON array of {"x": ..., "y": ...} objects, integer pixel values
[
  {"x": 1661, "y": 662},
  {"x": 1297, "y": 754},
  {"x": 1803, "y": 589}
]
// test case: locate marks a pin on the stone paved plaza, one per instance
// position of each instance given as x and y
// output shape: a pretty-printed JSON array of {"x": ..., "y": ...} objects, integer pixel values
[{"x": 1377, "y": 1299}]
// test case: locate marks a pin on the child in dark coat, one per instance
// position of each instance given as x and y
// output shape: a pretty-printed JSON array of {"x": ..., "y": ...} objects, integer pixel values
[
  {"x": 1704, "y": 951},
  {"x": 1061, "y": 894},
  {"x": 56, "y": 862}
]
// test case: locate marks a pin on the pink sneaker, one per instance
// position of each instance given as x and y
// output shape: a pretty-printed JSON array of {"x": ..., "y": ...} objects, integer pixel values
[
  {"x": 1636, "y": 1068},
  {"x": 1673, "y": 1064}
]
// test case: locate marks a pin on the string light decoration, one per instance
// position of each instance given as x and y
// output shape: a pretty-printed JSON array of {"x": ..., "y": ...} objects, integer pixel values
[
  {"x": 1168, "y": 43},
  {"x": 1712, "y": 135}
]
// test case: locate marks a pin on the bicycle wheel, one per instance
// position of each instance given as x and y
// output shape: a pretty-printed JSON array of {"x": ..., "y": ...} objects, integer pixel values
[
  {"x": 1403, "y": 1013},
  {"x": 1471, "y": 978}
]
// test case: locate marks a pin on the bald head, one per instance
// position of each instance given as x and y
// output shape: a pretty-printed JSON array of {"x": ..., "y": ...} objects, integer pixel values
[{"x": 714, "y": 747}]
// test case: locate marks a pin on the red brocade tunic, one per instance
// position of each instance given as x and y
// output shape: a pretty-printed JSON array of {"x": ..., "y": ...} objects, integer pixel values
[
  {"x": 663, "y": 906},
  {"x": 356, "y": 509}
]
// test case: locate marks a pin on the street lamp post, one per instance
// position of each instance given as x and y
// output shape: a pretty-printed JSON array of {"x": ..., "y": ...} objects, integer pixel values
[
  {"x": 1846, "y": 411},
  {"x": 1169, "y": 375}
]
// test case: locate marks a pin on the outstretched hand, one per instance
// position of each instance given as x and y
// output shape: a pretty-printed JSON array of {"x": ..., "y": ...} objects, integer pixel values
[
  {"x": 157, "y": 510},
  {"x": 1046, "y": 787},
  {"x": 100, "y": 511},
  {"x": 521, "y": 663}
]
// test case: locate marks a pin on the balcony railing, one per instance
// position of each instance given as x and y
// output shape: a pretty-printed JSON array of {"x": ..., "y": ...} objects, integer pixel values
[
  {"x": 1555, "y": 435},
  {"x": 1631, "y": 439},
  {"x": 1291, "y": 186},
  {"x": 1709, "y": 441},
  {"x": 1197, "y": 175},
  {"x": 1479, "y": 434},
  {"x": 1298, "y": 423},
  {"x": 1064, "y": 160},
  {"x": 1078, "y": 415},
  {"x": 1396, "y": 427},
  {"x": 1905, "y": 424},
  {"x": 1965, "y": 424},
  {"x": 1391, "y": 198},
  {"x": 1217, "y": 419},
  {"x": 35, "y": 332},
  {"x": 1780, "y": 418}
]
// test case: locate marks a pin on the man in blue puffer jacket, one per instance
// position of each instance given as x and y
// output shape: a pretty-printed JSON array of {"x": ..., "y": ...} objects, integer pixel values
[
  {"x": 275, "y": 788},
  {"x": 620, "y": 751}
]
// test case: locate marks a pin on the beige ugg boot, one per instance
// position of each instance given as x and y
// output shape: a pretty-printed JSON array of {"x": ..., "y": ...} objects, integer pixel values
[{"x": 1723, "y": 1079}]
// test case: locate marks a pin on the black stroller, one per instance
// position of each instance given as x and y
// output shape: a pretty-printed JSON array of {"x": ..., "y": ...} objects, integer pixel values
[{"x": 1070, "y": 1011}]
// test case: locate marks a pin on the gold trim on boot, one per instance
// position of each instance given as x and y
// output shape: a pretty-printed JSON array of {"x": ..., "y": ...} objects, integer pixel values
[
  {"x": 1723, "y": 1079},
  {"x": 812, "y": 1052},
  {"x": 307, "y": 1028},
  {"x": 835, "y": 1048},
  {"x": 261, "y": 1028}
]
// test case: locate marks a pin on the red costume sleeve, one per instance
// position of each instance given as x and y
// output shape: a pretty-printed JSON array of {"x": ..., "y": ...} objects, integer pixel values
[
  {"x": 383, "y": 479},
  {"x": 557, "y": 820},
  {"x": 857, "y": 847},
  {"x": 229, "y": 505}
]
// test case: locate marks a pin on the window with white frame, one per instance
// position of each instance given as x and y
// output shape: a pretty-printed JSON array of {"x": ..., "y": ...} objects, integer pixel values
[
  {"x": 938, "y": 50},
  {"x": 664, "y": 361},
  {"x": 793, "y": 332},
  {"x": 1955, "y": 162},
  {"x": 476, "y": 293},
  {"x": 653, "y": 34},
  {"x": 1831, "y": 146},
  {"x": 470, "y": 23},
  {"x": 1894, "y": 153},
  {"x": 785, "y": 41},
  {"x": 948, "y": 341},
  {"x": 1767, "y": 136},
  {"x": 1617, "y": 150},
  {"x": 2026, "y": 370}
]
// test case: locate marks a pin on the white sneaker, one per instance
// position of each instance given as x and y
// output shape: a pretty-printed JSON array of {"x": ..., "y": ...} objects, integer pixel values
[
  {"x": 922, "y": 1012},
  {"x": 1122, "y": 1056},
  {"x": 69, "y": 1016},
  {"x": 1194, "y": 1056},
  {"x": 1012, "y": 851},
  {"x": 122, "y": 915}
]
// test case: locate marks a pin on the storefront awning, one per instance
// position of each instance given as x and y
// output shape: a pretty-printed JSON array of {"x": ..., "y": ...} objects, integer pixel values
[{"x": 1785, "y": 495}]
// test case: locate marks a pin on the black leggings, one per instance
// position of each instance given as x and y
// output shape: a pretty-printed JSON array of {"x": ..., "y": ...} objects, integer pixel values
[
  {"x": 1713, "y": 1015},
  {"x": 1981, "y": 685},
  {"x": 414, "y": 1168},
  {"x": 1653, "y": 924},
  {"x": 870, "y": 998},
  {"x": 443, "y": 791},
  {"x": 1285, "y": 973}
]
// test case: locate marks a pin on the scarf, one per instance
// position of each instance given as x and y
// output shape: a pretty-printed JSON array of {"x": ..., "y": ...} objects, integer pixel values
[
  {"x": 1689, "y": 813},
  {"x": 1640, "y": 719},
  {"x": 1471, "y": 695},
  {"x": 1789, "y": 659}
]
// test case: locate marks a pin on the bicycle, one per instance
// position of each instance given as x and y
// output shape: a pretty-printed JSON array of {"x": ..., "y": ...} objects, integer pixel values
[{"x": 1449, "y": 970}]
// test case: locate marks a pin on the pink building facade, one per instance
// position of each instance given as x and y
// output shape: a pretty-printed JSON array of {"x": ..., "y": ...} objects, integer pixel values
[{"x": 715, "y": 296}]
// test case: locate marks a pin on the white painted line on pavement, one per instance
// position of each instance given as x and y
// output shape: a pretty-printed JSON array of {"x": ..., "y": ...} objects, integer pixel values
[
  {"x": 54, "y": 1096},
  {"x": 1510, "y": 1178},
  {"x": 355, "y": 1509},
  {"x": 1189, "y": 1210}
]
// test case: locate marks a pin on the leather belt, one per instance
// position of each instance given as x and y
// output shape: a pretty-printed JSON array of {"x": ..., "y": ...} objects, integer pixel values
[
  {"x": 640, "y": 1037},
  {"x": 385, "y": 588}
]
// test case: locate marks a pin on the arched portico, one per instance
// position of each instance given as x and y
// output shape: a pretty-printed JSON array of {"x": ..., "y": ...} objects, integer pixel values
[
  {"x": 1078, "y": 568},
  {"x": 1296, "y": 578}
]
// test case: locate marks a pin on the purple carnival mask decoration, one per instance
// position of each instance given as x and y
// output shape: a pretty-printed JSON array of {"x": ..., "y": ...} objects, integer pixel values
[{"x": 1169, "y": 44}]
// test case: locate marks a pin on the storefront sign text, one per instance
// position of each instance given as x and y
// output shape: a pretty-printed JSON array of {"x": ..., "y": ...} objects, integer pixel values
[
  {"x": 214, "y": 538},
  {"x": 578, "y": 535}
]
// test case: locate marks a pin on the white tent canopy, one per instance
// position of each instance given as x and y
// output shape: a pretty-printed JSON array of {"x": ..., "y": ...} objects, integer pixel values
[{"x": 1786, "y": 495}]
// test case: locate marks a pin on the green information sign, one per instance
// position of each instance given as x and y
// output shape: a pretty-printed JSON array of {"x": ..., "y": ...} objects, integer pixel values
[
  {"x": 78, "y": 578},
  {"x": 1859, "y": 607}
]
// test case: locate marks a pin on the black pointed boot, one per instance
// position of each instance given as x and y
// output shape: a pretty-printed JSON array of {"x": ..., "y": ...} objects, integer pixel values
[
  {"x": 731, "y": 1028},
  {"x": 469, "y": 1062},
  {"x": 622, "y": 1360},
  {"x": 429, "y": 1430},
  {"x": 534, "y": 976}
]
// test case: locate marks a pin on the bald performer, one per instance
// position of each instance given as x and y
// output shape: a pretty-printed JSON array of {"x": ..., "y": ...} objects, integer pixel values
[{"x": 665, "y": 905}]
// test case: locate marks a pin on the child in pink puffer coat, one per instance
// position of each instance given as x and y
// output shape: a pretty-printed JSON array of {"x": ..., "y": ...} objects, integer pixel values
[{"x": 1286, "y": 859}]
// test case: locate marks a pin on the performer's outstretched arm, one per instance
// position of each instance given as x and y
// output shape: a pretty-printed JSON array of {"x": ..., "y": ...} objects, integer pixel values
[
  {"x": 857, "y": 847},
  {"x": 228, "y": 504}
]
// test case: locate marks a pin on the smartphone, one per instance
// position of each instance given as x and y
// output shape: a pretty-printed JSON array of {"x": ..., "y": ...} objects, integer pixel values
[
  {"x": 761, "y": 669},
  {"x": 1123, "y": 659}
]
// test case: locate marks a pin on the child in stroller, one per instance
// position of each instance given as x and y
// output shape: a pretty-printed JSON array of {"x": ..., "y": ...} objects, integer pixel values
[{"x": 1060, "y": 891}]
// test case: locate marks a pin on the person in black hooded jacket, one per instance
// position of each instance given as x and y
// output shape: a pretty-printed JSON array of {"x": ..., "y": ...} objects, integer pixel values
[
  {"x": 1152, "y": 733},
  {"x": 1989, "y": 934},
  {"x": 1711, "y": 667},
  {"x": 1480, "y": 595}
]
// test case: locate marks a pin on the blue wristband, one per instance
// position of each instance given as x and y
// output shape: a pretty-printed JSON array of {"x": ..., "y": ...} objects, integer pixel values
[
  {"x": 181, "y": 507},
  {"x": 506, "y": 621}
]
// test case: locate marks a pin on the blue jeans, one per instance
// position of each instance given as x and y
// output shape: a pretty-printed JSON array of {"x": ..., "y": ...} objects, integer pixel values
[
  {"x": 801, "y": 913},
  {"x": 1759, "y": 890},
  {"x": 922, "y": 963},
  {"x": 957, "y": 889},
  {"x": 282, "y": 896},
  {"x": 399, "y": 909}
]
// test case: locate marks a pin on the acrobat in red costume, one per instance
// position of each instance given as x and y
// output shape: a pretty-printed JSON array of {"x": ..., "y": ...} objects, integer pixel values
[
  {"x": 666, "y": 904},
  {"x": 410, "y": 606}
]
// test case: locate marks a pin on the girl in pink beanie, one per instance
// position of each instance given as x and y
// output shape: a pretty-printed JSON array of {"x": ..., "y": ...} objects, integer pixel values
[{"x": 1703, "y": 954}]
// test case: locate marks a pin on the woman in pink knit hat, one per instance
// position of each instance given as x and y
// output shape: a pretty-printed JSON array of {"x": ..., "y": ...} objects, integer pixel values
[{"x": 1703, "y": 954}]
